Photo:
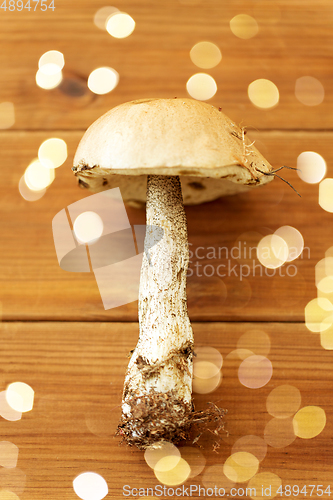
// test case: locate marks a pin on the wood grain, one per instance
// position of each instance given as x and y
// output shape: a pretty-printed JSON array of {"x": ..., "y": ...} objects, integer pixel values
[
  {"x": 56, "y": 335},
  {"x": 77, "y": 372},
  {"x": 294, "y": 40}
]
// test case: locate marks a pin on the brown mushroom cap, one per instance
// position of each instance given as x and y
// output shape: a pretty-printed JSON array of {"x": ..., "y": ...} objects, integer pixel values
[{"x": 182, "y": 137}]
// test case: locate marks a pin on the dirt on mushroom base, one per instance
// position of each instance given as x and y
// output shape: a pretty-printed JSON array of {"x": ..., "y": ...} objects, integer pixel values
[{"x": 163, "y": 417}]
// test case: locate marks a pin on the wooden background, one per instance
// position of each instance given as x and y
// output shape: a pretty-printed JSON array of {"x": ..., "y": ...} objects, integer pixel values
[{"x": 56, "y": 335}]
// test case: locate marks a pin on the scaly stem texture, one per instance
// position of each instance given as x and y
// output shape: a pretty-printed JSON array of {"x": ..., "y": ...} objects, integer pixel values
[{"x": 157, "y": 398}]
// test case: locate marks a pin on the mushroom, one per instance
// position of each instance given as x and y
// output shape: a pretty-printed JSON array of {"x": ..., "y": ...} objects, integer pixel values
[{"x": 143, "y": 147}]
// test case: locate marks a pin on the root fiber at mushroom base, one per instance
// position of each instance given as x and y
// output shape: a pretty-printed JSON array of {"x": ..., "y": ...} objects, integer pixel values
[{"x": 161, "y": 417}]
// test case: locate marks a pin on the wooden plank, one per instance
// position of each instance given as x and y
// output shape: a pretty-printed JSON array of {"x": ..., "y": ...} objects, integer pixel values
[
  {"x": 77, "y": 369},
  {"x": 33, "y": 286},
  {"x": 294, "y": 40}
]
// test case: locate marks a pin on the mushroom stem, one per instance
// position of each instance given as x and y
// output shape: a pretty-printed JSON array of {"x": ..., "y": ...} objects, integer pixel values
[{"x": 157, "y": 397}]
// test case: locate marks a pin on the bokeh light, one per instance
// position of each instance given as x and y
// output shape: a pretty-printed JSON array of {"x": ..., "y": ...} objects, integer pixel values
[
  {"x": 120, "y": 25},
  {"x": 272, "y": 251},
  {"x": 174, "y": 476},
  {"x": 241, "y": 466},
  {"x": 8, "y": 495},
  {"x": 265, "y": 485},
  {"x": 52, "y": 153},
  {"x": 6, "y": 411},
  {"x": 12, "y": 483},
  {"x": 311, "y": 167},
  {"x": 326, "y": 326},
  {"x": 8, "y": 454},
  {"x": 279, "y": 432},
  {"x": 252, "y": 444},
  {"x": 103, "y": 80},
  {"x": 27, "y": 193},
  {"x": 38, "y": 177},
  {"x": 48, "y": 82},
  {"x": 206, "y": 385},
  {"x": 201, "y": 86},
  {"x": 159, "y": 450},
  {"x": 324, "y": 275},
  {"x": 210, "y": 354},
  {"x": 239, "y": 354},
  {"x": 255, "y": 341},
  {"x": 194, "y": 458},
  {"x": 90, "y": 486},
  {"x": 326, "y": 195},
  {"x": 166, "y": 463},
  {"x": 101, "y": 17},
  {"x": 329, "y": 252},
  {"x": 20, "y": 396},
  {"x": 207, "y": 362},
  {"x": 316, "y": 311},
  {"x": 263, "y": 93},
  {"x": 283, "y": 401},
  {"x": 244, "y": 26},
  {"x": 326, "y": 336},
  {"x": 7, "y": 115},
  {"x": 294, "y": 240},
  {"x": 255, "y": 371},
  {"x": 205, "y": 55},
  {"x": 88, "y": 227},
  {"x": 204, "y": 369},
  {"x": 309, "y": 91},
  {"x": 309, "y": 422},
  {"x": 328, "y": 296},
  {"x": 51, "y": 62}
]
